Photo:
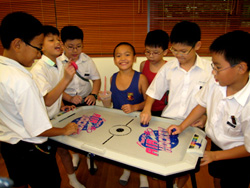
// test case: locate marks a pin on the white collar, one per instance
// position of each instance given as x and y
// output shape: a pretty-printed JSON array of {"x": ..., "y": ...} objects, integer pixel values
[{"x": 10, "y": 62}]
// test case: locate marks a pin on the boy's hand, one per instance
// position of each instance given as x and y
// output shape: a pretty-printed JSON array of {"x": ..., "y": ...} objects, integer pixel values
[
  {"x": 76, "y": 99},
  {"x": 70, "y": 128},
  {"x": 69, "y": 72},
  {"x": 178, "y": 129},
  {"x": 127, "y": 108},
  {"x": 208, "y": 157},
  {"x": 90, "y": 100},
  {"x": 145, "y": 117},
  {"x": 68, "y": 108}
]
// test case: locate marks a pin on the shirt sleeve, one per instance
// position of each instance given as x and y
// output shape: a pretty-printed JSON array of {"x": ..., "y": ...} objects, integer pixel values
[
  {"x": 33, "y": 112},
  {"x": 204, "y": 93},
  {"x": 39, "y": 76}
]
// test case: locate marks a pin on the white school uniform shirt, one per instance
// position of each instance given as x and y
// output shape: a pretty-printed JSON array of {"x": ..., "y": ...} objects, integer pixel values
[
  {"x": 87, "y": 69},
  {"x": 23, "y": 114},
  {"x": 47, "y": 76},
  {"x": 182, "y": 86},
  {"x": 221, "y": 110}
]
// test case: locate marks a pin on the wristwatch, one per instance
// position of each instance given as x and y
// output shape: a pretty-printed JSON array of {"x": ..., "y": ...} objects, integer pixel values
[{"x": 93, "y": 95}]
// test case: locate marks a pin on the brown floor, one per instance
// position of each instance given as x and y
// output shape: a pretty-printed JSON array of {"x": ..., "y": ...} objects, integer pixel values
[{"x": 108, "y": 175}]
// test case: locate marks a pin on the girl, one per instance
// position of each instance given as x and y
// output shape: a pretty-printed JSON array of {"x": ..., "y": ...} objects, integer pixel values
[{"x": 128, "y": 89}]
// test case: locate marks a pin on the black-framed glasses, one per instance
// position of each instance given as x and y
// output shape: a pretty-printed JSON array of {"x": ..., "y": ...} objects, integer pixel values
[{"x": 38, "y": 49}]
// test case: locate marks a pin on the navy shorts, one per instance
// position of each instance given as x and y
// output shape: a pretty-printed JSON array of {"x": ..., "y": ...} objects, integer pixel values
[
  {"x": 30, "y": 164},
  {"x": 232, "y": 172}
]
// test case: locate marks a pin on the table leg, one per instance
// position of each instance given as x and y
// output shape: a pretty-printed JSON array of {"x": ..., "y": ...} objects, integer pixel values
[
  {"x": 91, "y": 158},
  {"x": 169, "y": 181},
  {"x": 193, "y": 179}
]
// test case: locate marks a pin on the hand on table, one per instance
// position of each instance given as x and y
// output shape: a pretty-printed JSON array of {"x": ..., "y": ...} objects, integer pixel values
[
  {"x": 90, "y": 100},
  {"x": 70, "y": 128},
  {"x": 127, "y": 108},
  {"x": 171, "y": 130},
  {"x": 145, "y": 117},
  {"x": 68, "y": 108},
  {"x": 76, "y": 99}
]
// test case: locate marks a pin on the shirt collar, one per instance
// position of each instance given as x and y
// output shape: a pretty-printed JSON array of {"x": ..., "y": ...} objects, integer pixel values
[
  {"x": 10, "y": 62},
  {"x": 63, "y": 58},
  {"x": 48, "y": 61},
  {"x": 198, "y": 63},
  {"x": 241, "y": 96}
]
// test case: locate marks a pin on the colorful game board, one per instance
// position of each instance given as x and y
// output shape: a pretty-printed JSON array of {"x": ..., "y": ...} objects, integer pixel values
[{"x": 114, "y": 135}]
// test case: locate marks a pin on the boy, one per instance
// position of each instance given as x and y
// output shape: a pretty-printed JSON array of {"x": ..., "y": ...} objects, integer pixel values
[
  {"x": 183, "y": 76},
  {"x": 49, "y": 77},
  {"x": 24, "y": 123},
  {"x": 156, "y": 47},
  {"x": 226, "y": 100},
  {"x": 79, "y": 91}
]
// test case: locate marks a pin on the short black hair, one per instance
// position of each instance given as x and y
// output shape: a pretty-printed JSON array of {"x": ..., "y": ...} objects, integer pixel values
[
  {"x": 124, "y": 43},
  {"x": 71, "y": 33},
  {"x": 234, "y": 46},
  {"x": 19, "y": 25},
  {"x": 157, "y": 38},
  {"x": 185, "y": 32},
  {"x": 48, "y": 29}
]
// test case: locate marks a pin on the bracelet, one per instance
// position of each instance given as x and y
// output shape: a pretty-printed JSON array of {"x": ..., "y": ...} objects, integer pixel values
[{"x": 93, "y": 95}]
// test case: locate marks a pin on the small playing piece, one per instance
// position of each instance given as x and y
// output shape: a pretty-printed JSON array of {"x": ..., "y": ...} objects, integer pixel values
[
  {"x": 144, "y": 125},
  {"x": 74, "y": 65},
  {"x": 173, "y": 130}
]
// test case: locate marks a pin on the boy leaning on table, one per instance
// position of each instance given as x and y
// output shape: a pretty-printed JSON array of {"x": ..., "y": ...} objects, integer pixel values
[
  {"x": 24, "y": 123},
  {"x": 226, "y": 100}
]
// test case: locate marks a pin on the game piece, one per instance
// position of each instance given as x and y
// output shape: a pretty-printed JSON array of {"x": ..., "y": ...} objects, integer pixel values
[{"x": 144, "y": 125}]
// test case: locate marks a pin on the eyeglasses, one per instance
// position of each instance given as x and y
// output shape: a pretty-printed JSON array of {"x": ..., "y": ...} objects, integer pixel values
[
  {"x": 217, "y": 71},
  {"x": 148, "y": 53},
  {"x": 71, "y": 48},
  {"x": 175, "y": 52},
  {"x": 38, "y": 49}
]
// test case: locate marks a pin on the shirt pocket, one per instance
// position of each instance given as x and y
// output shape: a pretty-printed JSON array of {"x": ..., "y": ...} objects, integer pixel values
[{"x": 232, "y": 127}]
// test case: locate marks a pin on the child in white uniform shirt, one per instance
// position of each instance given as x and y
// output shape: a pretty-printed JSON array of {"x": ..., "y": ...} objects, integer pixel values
[
  {"x": 52, "y": 79},
  {"x": 24, "y": 123},
  {"x": 183, "y": 77},
  {"x": 79, "y": 92},
  {"x": 226, "y": 100}
]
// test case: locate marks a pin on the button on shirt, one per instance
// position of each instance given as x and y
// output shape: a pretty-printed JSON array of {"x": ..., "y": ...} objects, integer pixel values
[
  {"x": 182, "y": 86},
  {"x": 23, "y": 114},
  {"x": 87, "y": 69},
  {"x": 228, "y": 119},
  {"x": 47, "y": 76}
]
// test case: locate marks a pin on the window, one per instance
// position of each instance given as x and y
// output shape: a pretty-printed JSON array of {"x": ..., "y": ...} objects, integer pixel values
[
  {"x": 214, "y": 17},
  {"x": 105, "y": 23}
]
